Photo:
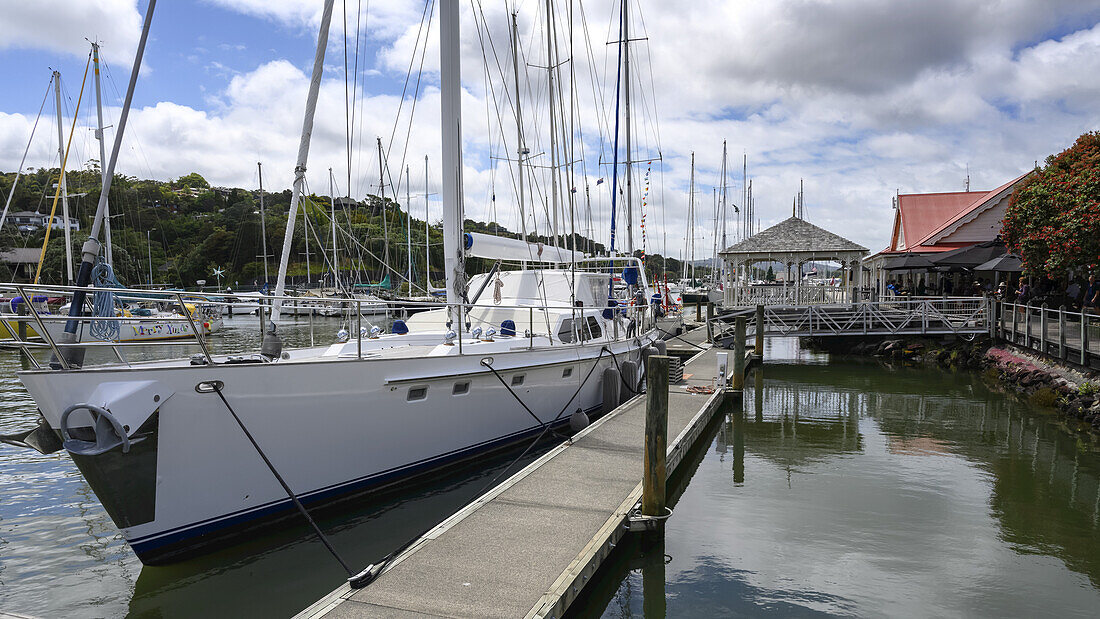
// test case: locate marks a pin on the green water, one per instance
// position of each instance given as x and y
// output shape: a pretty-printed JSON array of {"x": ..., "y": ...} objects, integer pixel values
[
  {"x": 838, "y": 487},
  {"x": 857, "y": 489}
]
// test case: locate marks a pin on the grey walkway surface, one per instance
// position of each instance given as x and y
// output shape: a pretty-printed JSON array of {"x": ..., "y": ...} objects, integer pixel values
[{"x": 517, "y": 550}]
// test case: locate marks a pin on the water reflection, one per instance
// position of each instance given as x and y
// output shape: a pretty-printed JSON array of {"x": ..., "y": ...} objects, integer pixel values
[{"x": 854, "y": 488}]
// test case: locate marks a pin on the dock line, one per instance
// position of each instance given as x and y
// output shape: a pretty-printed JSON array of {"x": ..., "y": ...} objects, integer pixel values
[{"x": 356, "y": 581}]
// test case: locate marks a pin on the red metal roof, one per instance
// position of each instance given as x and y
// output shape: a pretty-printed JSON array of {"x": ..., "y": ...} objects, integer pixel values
[
  {"x": 979, "y": 202},
  {"x": 922, "y": 214}
]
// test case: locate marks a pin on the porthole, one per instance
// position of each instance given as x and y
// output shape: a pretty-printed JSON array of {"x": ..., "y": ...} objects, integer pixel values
[
  {"x": 517, "y": 380},
  {"x": 417, "y": 393},
  {"x": 567, "y": 372},
  {"x": 461, "y": 388}
]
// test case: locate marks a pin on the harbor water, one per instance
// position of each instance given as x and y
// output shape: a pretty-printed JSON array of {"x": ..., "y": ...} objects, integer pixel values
[
  {"x": 847, "y": 487},
  {"x": 838, "y": 487}
]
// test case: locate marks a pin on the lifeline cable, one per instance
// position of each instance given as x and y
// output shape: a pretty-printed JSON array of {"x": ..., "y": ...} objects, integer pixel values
[
  {"x": 372, "y": 572},
  {"x": 216, "y": 387}
]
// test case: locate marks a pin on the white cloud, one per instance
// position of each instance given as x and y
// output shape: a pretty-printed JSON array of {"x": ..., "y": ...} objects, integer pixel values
[
  {"x": 61, "y": 26},
  {"x": 859, "y": 98}
]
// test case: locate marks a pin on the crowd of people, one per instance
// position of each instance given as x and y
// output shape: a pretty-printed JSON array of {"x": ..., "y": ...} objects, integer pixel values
[{"x": 1071, "y": 292}]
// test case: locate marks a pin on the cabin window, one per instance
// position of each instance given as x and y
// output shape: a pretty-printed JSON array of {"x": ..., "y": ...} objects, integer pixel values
[
  {"x": 517, "y": 380},
  {"x": 567, "y": 372},
  {"x": 565, "y": 332},
  {"x": 594, "y": 327},
  {"x": 461, "y": 388},
  {"x": 417, "y": 393}
]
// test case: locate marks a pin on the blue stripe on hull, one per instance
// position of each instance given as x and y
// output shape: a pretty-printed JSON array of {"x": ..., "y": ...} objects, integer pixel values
[{"x": 175, "y": 544}]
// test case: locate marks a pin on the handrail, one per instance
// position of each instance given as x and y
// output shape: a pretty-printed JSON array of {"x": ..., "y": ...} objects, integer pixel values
[{"x": 343, "y": 305}]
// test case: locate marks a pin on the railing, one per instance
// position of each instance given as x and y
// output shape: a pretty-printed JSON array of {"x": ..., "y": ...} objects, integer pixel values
[
  {"x": 542, "y": 321},
  {"x": 959, "y": 316},
  {"x": 1072, "y": 336},
  {"x": 743, "y": 296}
]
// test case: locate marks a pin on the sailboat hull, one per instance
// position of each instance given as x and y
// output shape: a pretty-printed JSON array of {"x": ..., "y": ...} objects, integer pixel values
[{"x": 192, "y": 482}]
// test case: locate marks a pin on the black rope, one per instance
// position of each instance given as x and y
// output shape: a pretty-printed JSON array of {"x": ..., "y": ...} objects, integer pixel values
[
  {"x": 622, "y": 377},
  {"x": 216, "y": 387},
  {"x": 373, "y": 572},
  {"x": 530, "y": 412},
  {"x": 673, "y": 335}
]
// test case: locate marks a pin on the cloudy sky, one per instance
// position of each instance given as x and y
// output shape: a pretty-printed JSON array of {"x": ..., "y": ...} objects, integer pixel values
[{"x": 861, "y": 98}]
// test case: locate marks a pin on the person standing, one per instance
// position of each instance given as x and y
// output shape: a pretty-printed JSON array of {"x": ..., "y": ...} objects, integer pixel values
[{"x": 1091, "y": 300}]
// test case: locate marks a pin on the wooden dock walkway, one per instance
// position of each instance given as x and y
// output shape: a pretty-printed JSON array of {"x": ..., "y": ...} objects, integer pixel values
[{"x": 527, "y": 547}]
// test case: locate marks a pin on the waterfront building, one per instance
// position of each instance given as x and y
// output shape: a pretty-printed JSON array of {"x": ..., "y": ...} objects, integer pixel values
[{"x": 928, "y": 224}]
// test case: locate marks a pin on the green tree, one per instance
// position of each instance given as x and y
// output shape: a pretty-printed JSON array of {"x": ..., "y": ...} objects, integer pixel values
[
  {"x": 1053, "y": 218},
  {"x": 193, "y": 180},
  {"x": 770, "y": 275}
]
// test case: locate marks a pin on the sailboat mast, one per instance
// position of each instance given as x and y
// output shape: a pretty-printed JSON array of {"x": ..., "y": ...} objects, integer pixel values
[
  {"x": 263, "y": 218},
  {"x": 385, "y": 220},
  {"x": 303, "y": 153},
  {"x": 427, "y": 234},
  {"x": 451, "y": 113},
  {"x": 305, "y": 238},
  {"x": 691, "y": 219},
  {"x": 723, "y": 209},
  {"x": 332, "y": 208},
  {"x": 408, "y": 229},
  {"x": 64, "y": 189},
  {"x": 553, "y": 124},
  {"x": 626, "y": 127},
  {"x": 102, "y": 151},
  {"x": 521, "y": 150}
]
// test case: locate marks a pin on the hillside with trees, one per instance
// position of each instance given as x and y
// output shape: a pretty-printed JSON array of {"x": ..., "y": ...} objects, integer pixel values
[{"x": 183, "y": 229}]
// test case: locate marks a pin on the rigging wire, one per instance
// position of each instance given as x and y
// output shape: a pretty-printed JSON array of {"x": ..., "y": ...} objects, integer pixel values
[{"x": 11, "y": 192}]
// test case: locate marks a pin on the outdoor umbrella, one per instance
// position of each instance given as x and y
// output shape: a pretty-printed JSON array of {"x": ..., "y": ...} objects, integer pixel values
[
  {"x": 907, "y": 262},
  {"x": 1005, "y": 263},
  {"x": 970, "y": 257}
]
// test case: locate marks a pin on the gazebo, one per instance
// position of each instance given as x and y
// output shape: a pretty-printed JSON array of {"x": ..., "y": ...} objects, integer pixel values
[{"x": 792, "y": 243}]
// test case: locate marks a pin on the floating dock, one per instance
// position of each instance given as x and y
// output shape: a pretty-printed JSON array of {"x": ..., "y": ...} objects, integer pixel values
[{"x": 527, "y": 547}]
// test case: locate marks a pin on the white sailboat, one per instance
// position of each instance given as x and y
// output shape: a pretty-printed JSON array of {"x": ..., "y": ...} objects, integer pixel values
[{"x": 512, "y": 353}]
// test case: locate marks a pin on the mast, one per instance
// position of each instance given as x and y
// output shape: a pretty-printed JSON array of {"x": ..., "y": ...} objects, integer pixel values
[
  {"x": 427, "y": 235},
  {"x": 303, "y": 154},
  {"x": 64, "y": 189},
  {"x": 451, "y": 113},
  {"x": 305, "y": 239},
  {"x": 723, "y": 209},
  {"x": 102, "y": 151},
  {"x": 553, "y": 124},
  {"x": 521, "y": 150},
  {"x": 691, "y": 220},
  {"x": 385, "y": 220},
  {"x": 332, "y": 209},
  {"x": 626, "y": 121},
  {"x": 90, "y": 250},
  {"x": 263, "y": 223},
  {"x": 408, "y": 229}
]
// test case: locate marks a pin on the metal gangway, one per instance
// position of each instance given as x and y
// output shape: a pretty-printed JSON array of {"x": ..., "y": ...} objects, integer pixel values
[{"x": 961, "y": 316}]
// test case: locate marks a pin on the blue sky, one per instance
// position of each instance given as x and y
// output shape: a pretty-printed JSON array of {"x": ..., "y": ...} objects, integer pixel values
[{"x": 861, "y": 98}]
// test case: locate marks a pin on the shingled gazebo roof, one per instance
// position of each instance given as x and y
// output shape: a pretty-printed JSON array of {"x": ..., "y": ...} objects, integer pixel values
[{"x": 794, "y": 236}]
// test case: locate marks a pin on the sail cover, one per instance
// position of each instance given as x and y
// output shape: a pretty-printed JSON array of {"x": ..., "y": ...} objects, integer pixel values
[{"x": 481, "y": 245}]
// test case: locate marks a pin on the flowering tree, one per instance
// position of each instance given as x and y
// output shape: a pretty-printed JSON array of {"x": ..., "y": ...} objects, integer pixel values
[{"x": 1053, "y": 218}]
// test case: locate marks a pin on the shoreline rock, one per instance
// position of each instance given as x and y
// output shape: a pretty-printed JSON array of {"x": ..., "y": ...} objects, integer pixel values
[{"x": 1074, "y": 395}]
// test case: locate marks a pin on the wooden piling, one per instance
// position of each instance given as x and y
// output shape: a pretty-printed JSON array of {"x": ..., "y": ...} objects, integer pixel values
[
  {"x": 698, "y": 310},
  {"x": 710, "y": 317},
  {"x": 739, "y": 354},
  {"x": 758, "y": 348},
  {"x": 655, "y": 467}
]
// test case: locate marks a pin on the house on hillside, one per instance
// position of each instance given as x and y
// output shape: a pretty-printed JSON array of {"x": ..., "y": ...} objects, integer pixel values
[
  {"x": 21, "y": 261},
  {"x": 928, "y": 224}
]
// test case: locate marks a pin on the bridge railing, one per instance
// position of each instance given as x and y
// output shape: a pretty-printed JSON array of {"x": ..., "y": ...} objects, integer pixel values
[
  {"x": 1072, "y": 336},
  {"x": 959, "y": 316},
  {"x": 768, "y": 294}
]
